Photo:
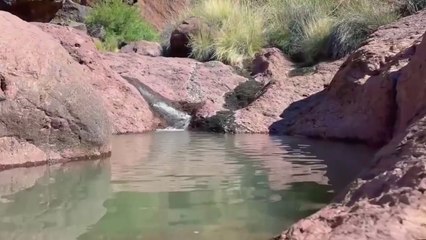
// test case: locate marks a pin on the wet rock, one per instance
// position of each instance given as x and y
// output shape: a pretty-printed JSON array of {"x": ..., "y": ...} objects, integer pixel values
[
  {"x": 38, "y": 93},
  {"x": 127, "y": 110},
  {"x": 359, "y": 104},
  {"x": 144, "y": 48},
  {"x": 180, "y": 80},
  {"x": 221, "y": 122}
]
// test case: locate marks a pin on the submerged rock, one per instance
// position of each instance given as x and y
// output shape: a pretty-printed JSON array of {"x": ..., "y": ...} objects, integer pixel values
[{"x": 48, "y": 112}]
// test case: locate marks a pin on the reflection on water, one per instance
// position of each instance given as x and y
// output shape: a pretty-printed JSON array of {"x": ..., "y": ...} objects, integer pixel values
[{"x": 178, "y": 185}]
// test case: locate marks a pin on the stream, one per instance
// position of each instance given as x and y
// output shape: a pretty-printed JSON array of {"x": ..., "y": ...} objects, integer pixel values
[{"x": 179, "y": 186}]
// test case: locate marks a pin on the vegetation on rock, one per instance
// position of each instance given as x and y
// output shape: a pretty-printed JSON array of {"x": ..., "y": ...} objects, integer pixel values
[
  {"x": 308, "y": 31},
  {"x": 122, "y": 23}
]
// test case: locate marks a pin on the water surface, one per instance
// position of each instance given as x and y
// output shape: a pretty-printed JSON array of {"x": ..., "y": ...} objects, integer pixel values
[{"x": 178, "y": 185}]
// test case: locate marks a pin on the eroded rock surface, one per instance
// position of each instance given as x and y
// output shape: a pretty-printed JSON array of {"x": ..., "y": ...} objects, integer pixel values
[
  {"x": 284, "y": 85},
  {"x": 199, "y": 88},
  {"x": 48, "y": 111},
  {"x": 386, "y": 203},
  {"x": 128, "y": 111},
  {"x": 32, "y": 10},
  {"x": 161, "y": 12},
  {"x": 360, "y": 103}
]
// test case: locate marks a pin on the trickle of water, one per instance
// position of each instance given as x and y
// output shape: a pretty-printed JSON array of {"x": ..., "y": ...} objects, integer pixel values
[{"x": 176, "y": 119}]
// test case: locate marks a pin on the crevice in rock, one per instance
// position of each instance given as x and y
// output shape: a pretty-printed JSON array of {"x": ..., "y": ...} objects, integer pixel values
[
  {"x": 245, "y": 94},
  {"x": 3, "y": 85},
  {"x": 394, "y": 77},
  {"x": 222, "y": 122}
]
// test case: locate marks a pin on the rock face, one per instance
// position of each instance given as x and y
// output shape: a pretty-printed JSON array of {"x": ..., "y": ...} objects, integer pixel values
[
  {"x": 72, "y": 14},
  {"x": 128, "y": 112},
  {"x": 388, "y": 200},
  {"x": 360, "y": 103},
  {"x": 47, "y": 111},
  {"x": 387, "y": 203},
  {"x": 160, "y": 12},
  {"x": 144, "y": 48},
  {"x": 286, "y": 86},
  {"x": 32, "y": 10},
  {"x": 197, "y": 88}
]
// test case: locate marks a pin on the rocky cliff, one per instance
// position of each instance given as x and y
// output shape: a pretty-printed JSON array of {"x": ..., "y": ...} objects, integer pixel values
[
  {"x": 378, "y": 97},
  {"x": 362, "y": 103},
  {"x": 47, "y": 110}
]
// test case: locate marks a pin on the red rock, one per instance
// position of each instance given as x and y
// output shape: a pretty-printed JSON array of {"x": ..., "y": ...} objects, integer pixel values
[
  {"x": 160, "y": 12},
  {"x": 179, "y": 38},
  {"x": 32, "y": 10},
  {"x": 284, "y": 90},
  {"x": 387, "y": 203},
  {"x": 360, "y": 102},
  {"x": 49, "y": 112},
  {"x": 180, "y": 80},
  {"x": 144, "y": 48},
  {"x": 128, "y": 111}
]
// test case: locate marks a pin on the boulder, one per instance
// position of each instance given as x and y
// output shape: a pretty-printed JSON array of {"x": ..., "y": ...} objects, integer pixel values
[
  {"x": 144, "y": 48},
  {"x": 282, "y": 84},
  {"x": 32, "y": 10},
  {"x": 197, "y": 88},
  {"x": 48, "y": 111},
  {"x": 180, "y": 36},
  {"x": 360, "y": 103},
  {"x": 127, "y": 110},
  {"x": 161, "y": 12},
  {"x": 72, "y": 14},
  {"x": 386, "y": 203}
]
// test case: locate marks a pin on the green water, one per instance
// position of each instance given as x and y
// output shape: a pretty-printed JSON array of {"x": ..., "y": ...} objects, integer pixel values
[{"x": 178, "y": 186}]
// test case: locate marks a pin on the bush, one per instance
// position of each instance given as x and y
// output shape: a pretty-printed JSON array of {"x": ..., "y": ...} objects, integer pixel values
[{"x": 122, "y": 23}]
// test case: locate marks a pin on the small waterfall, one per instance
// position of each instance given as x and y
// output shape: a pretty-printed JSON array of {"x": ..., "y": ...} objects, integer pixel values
[{"x": 176, "y": 119}]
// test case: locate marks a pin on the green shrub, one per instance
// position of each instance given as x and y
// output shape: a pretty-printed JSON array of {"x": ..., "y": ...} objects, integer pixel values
[{"x": 122, "y": 23}]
